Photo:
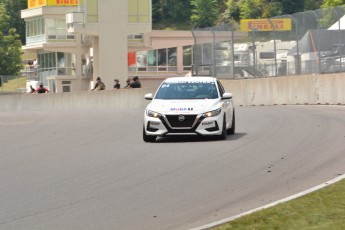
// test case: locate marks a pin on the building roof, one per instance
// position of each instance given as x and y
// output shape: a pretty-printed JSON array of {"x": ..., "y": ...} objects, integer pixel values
[{"x": 319, "y": 40}]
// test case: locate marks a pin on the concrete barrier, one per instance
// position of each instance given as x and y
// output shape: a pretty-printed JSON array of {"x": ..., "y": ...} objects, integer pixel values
[
  {"x": 311, "y": 89},
  {"x": 308, "y": 89},
  {"x": 115, "y": 99}
]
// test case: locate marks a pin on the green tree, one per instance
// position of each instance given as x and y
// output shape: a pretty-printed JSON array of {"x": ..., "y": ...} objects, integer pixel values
[
  {"x": 204, "y": 12},
  {"x": 171, "y": 11},
  {"x": 156, "y": 11},
  {"x": 10, "y": 46},
  {"x": 332, "y": 3},
  {"x": 272, "y": 9},
  {"x": 4, "y": 19},
  {"x": 290, "y": 7},
  {"x": 13, "y": 9},
  {"x": 249, "y": 9},
  {"x": 312, "y": 4},
  {"x": 232, "y": 12},
  {"x": 331, "y": 14},
  {"x": 179, "y": 10}
]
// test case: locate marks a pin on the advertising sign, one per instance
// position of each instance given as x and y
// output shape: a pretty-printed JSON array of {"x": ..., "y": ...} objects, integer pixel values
[
  {"x": 38, "y": 3},
  {"x": 265, "y": 25}
]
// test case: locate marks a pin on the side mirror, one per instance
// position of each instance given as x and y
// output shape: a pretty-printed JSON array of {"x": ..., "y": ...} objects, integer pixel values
[
  {"x": 148, "y": 96},
  {"x": 227, "y": 96}
]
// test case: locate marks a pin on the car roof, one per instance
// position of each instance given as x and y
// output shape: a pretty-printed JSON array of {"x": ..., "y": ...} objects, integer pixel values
[{"x": 190, "y": 79}]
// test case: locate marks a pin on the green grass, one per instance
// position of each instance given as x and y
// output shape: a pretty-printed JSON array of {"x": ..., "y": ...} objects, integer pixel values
[
  {"x": 12, "y": 85},
  {"x": 322, "y": 210},
  {"x": 172, "y": 26}
]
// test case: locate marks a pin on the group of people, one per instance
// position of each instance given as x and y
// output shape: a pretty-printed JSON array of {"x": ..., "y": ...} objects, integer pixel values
[
  {"x": 98, "y": 86},
  {"x": 33, "y": 63},
  {"x": 134, "y": 84},
  {"x": 39, "y": 89}
]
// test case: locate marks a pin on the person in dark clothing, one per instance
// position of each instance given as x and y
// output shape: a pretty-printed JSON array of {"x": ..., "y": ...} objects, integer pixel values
[
  {"x": 41, "y": 89},
  {"x": 136, "y": 83},
  {"x": 99, "y": 85},
  {"x": 116, "y": 84},
  {"x": 128, "y": 84},
  {"x": 32, "y": 90}
]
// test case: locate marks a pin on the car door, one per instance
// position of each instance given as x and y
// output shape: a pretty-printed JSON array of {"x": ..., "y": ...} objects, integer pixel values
[{"x": 228, "y": 106}]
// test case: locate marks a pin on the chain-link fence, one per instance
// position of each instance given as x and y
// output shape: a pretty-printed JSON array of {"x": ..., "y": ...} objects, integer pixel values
[{"x": 314, "y": 44}]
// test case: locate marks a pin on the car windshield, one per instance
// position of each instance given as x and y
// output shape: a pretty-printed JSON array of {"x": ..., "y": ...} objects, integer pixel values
[{"x": 187, "y": 90}]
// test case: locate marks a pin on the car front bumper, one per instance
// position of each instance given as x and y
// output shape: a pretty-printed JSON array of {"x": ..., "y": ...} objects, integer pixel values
[{"x": 190, "y": 124}]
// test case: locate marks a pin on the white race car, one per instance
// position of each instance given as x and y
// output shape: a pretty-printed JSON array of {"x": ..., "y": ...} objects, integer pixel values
[{"x": 189, "y": 106}]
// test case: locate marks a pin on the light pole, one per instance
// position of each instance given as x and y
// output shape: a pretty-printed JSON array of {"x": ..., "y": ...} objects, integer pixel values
[
  {"x": 232, "y": 54},
  {"x": 254, "y": 29},
  {"x": 298, "y": 72},
  {"x": 275, "y": 47},
  {"x": 317, "y": 19}
]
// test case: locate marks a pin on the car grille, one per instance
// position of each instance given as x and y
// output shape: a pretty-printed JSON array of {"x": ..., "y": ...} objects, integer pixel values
[{"x": 175, "y": 121}]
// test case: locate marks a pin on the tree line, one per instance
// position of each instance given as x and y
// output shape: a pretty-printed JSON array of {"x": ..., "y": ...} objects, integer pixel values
[
  {"x": 12, "y": 36},
  {"x": 206, "y": 13}
]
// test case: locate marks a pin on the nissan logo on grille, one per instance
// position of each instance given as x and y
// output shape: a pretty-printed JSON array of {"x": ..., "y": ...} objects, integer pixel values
[{"x": 181, "y": 118}]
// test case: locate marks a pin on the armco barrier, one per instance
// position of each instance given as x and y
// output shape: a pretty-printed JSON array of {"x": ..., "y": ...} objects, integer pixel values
[{"x": 313, "y": 89}]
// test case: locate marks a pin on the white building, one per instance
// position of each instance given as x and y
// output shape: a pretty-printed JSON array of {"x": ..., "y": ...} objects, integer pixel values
[{"x": 75, "y": 43}]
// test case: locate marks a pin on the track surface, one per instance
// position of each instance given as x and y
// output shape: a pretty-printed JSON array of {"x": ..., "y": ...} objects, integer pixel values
[{"x": 91, "y": 170}]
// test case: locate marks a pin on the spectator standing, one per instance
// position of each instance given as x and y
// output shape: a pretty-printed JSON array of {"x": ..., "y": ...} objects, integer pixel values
[
  {"x": 35, "y": 62},
  {"x": 41, "y": 89},
  {"x": 128, "y": 82},
  {"x": 99, "y": 85},
  {"x": 116, "y": 84},
  {"x": 31, "y": 90},
  {"x": 136, "y": 83},
  {"x": 31, "y": 64}
]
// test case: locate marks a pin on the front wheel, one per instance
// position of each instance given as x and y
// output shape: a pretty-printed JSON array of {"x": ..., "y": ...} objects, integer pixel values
[
  {"x": 232, "y": 129},
  {"x": 222, "y": 136},
  {"x": 148, "y": 138}
]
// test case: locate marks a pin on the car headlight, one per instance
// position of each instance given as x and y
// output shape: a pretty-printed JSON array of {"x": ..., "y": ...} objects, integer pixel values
[
  {"x": 150, "y": 113},
  {"x": 212, "y": 113}
]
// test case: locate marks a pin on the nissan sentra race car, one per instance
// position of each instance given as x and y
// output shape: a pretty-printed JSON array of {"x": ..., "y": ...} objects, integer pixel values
[{"x": 189, "y": 106}]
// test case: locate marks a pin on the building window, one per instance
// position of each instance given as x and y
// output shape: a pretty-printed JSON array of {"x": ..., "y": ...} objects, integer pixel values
[
  {"x": 162, "y": 57},
  {"x": 187, "y": 56},
  {"x": 57, "y": 30},
  {"x": 152, "y": 58},
  {"x": 92, "y": 11},
  {"x": 135, "y": 37},
  {"x": 172, "y": 56},
  {"x": 139, "y": 11},
  {"x": 141, "y": 58},
  {"x": 35, "y": 30},
  {"x": 56, "y": 63}
]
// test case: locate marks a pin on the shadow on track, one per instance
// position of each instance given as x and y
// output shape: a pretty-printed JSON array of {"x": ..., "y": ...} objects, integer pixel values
[{"x": 172, "y": 139}]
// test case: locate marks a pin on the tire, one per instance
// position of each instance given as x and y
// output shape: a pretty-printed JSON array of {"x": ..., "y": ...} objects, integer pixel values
[
  {"x": 233, "y": 125},
  {"x": 222, "y": 136},
  {"x": 148, "y": 138}
]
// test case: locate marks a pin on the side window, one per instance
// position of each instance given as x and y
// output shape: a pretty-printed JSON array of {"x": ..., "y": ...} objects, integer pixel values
[{"x": 221, "y": 88}]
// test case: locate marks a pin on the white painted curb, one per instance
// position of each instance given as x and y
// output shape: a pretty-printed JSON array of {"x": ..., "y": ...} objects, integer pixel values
[{"x": 226, "y": 220}]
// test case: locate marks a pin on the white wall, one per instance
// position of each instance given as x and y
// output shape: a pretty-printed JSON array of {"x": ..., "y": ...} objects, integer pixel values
[
  {"x": 311, "y": 89},
  {"x": 112, "y": 16}
]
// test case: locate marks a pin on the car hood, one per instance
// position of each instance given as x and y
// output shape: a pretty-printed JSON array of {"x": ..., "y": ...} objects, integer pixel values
[{"x": 184, "y": 106}]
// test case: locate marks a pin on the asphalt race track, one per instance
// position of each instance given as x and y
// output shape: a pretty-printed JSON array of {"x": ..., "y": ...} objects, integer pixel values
[{"x": 91, "y": 170}]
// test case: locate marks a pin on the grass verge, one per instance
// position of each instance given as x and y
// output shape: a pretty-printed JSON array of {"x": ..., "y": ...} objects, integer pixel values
[
  {"x": 13, "y": 85},
  {"x": 322, "y": 209}
]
